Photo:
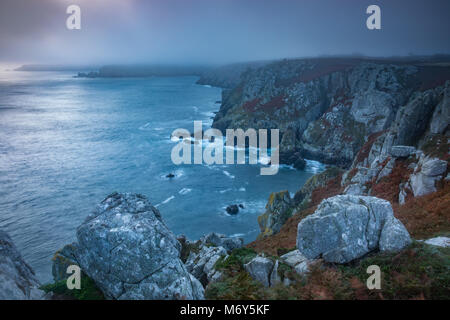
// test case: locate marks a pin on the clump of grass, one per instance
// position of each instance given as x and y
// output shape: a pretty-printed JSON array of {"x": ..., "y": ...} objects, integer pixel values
[
  {"x": 239, "y": 286},
  {"x": 234, "y": 263},
  {"x": 88, "y": 291}
]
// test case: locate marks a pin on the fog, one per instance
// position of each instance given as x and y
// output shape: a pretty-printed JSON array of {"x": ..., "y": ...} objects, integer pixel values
[{"x": 216, "y": 31}]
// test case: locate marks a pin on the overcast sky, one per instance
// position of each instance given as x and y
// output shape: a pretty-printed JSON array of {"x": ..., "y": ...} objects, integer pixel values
[{"x": 216, "y": 31}]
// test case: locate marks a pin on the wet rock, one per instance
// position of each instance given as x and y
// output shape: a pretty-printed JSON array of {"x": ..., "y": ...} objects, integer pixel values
[
  {"x": 347, "y": 227},
  {"x": 17, "y": 278},
  {"x": 232, "y": 209}
]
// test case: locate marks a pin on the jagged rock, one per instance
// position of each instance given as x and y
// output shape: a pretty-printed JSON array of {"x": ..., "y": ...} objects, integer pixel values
[
  {"x": 303, "y": 196},
  {"x": 441, "y": 117},
  {"x": 394, "y": 236},
  {"x": 232, "y": 209},
  {"x": 17, "y": 278},
  {"x": 278, "y": 210},
  {"x": 221, "y": 240},
  {"x": 402, "y": 151},
  {"x": 260, "y": 269},
  {"x": 355, "y": 189},
  {"x": 428, "y": 171},
  {"x": 387, "y": 169},
  {"x": 275, "y": 278},
  {"x": 126, "y": 248},
  {"x": 201, "y": 264},
  {"x": 347, "y": 227},
  {"x": 298, "y": 261},
  {"x": 439, "y": 241},
  {"x": 434, "y": 167},
  {"x": 402, "y": 194},
  {"x": 62, "y": 260}
]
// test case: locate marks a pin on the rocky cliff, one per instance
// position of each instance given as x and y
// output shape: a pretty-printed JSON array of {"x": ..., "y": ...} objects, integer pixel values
[
  {"x": 327, "y": 108},
  {"x": 17, "y": 278}
]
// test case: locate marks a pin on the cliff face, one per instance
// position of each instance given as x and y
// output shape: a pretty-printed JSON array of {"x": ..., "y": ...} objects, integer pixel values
[{"x": 326, "y": 109}]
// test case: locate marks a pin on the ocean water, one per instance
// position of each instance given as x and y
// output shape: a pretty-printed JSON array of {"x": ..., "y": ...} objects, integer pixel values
[{"x": 66, "y": 143}]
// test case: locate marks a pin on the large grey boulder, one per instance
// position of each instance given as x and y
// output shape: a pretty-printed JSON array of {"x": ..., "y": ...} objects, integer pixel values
[
  {"x": 428, "y": 171},
  {"x": 127, "y": 249},
  {"x": 260, "y": 269},
  {"x": 17, "y": 278},
  {"x": 346, "y": 227}
]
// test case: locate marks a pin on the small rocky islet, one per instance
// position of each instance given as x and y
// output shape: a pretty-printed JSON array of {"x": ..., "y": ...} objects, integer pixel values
[{"x": 383, "y": 128}]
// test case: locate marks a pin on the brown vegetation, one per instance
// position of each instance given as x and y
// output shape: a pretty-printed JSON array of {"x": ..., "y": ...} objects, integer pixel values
[{"x": 427, "y": 216}]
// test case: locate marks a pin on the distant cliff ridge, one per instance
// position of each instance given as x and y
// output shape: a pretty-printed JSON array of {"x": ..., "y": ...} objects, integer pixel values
[
  {"x": 327, "y": 108},
  {"x": 119, "y": 71}
]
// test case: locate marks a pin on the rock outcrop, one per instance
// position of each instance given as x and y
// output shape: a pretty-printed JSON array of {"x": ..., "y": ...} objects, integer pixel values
[
  {"x": 278, "y": 210},
  {"x": 221, "y": 240},
  {"x": 126, "y": 248},
  {"x": 260, "y": 269},
  {"x": 426, "y": 173},
  {"x": 298, "y": 261},
  {"x": 443, "y": 242},
  {"x": 206, "y": 252},
  {"x": 327, "y": 108},
  {"x": 303, "y": 196},
  {"x": 17, "y": 278},
  {"x": 347, "y": 227},
  {"x": 201, "y": 264}
]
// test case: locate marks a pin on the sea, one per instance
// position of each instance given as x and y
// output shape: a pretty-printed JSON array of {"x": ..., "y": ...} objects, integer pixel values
[{"x": 67, "y": 142}]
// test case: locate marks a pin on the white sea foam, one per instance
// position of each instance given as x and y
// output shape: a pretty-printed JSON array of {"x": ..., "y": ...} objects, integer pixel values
[
  {"x": 184, "y": 191},
  {"x": 313, "y": 166},
  {"x": 236, "y": 235},
  {"x": 225, "y": 172},
  {"x": 165, "y": 201}
]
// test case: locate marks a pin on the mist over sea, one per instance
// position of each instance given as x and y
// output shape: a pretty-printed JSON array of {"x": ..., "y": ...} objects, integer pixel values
[{"x": 66, "y": 143}]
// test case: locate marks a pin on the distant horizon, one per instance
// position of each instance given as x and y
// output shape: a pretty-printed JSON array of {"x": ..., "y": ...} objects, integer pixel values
[{"x": 75, "y": 67}]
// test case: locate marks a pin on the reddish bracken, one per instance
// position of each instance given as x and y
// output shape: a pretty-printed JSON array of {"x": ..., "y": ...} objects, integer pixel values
[
  {"x": 427, "y": 216},
  {"x": 270, "y": 106},
  {"x": 388, "y": 187},
  {"x": 250, "y": 106}
]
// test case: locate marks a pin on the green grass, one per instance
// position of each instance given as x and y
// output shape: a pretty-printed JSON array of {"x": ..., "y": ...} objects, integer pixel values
[
  {"x": 236, "y": 260},
  {"x": 418, "y": 271},
  {"x": 88, "y": 291}
]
